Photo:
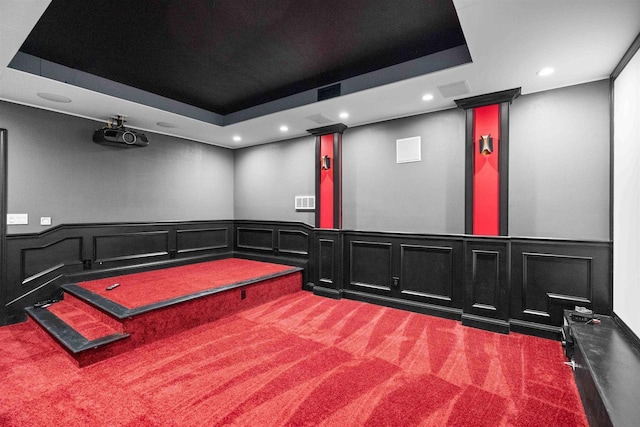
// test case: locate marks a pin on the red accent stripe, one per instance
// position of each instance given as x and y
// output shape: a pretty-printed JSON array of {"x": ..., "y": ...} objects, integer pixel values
[
  {"x": 486, "y": 172},
  {"x": 326, "y": 183}
]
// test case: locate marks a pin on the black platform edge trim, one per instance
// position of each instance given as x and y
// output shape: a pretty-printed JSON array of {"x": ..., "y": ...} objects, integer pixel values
[
  {"x": 414, "y": 306},
  {"x": 536, "y": 329},
  {"x": 104, "y": 304},
  {"x": 121, "y": 312},
  {"x": 64, "y": 334},
  {"x": 485, "y": 323},
  {"x": 327, "y": 292}
]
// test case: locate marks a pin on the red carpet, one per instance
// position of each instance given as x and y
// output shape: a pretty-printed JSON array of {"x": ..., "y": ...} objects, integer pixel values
[
  {"x": 140, "y": 289},
  {"x": 298, "y": 360}
]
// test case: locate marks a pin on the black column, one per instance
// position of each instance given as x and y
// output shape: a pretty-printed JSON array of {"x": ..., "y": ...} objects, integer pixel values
[{"x": 3, "y": 224}]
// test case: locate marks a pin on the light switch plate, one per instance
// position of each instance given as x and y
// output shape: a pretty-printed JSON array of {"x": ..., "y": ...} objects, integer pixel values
[{"x": 17, "y": 219}]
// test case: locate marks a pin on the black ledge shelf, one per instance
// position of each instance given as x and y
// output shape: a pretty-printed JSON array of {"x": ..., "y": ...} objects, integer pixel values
[
  {"x": 121, "y": 312},
  {"x": 607, "y": 372},
  {"x": 68, "y": 337}
]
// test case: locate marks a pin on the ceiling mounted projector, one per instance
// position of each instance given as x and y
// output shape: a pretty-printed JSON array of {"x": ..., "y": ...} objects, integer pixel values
[{"x": 116, "y": 135}]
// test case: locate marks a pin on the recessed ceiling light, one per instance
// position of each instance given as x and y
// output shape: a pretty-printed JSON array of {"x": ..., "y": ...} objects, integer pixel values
[
  {"x": 427, "y": 97},
  {"x": 545, "y": 72},
  {"x": 284, "y": 128},
  {"x": 54, "y": 97},
  {"x": 236, "y": 138},
  {"x": 166, "y": 125},
  {"x": 344, "y": 115}
]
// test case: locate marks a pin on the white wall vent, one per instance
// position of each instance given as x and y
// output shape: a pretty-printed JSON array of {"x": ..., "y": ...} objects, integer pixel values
[
  {"x": 305, "y": 203},
  {"x": 408, "y": 150}
]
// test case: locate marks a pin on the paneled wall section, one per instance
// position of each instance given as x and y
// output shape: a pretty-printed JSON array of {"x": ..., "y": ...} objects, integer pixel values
[{"x": 496, "y": 283}]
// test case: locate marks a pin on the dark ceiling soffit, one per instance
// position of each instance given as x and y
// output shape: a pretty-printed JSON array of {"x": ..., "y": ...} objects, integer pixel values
[
  {"x": 489, "y": 99},
  {"x": 50, "y": 70},
  {"x": 427, "y": 64},
  {"x": 414, "y": 68},
  {"x": 326, "y": 130}
]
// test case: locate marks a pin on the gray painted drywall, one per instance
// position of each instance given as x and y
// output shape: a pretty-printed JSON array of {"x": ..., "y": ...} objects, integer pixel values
[
  {"x": 559, "y": 163},
  {"x": 421, "y": 197},
  {"x": 56, "y": 170},
  {"x": 559, "y": 171},
  {"x": 268, "y": 177}
]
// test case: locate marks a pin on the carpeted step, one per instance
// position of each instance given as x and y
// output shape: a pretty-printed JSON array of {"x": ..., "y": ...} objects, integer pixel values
[
  {"x": 77, "y": 331},
  {"x": 149, "y": 306}
]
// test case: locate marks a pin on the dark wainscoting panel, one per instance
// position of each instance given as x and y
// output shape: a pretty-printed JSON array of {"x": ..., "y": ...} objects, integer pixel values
[
  {"x": 197, "y": 240},
  {"x": 114, "y": 249},
  {"x": 370, "y": 265},
  {"x": 412, "y": 272},
  {"x": 326, "y": 265},
  {"x": 328, "y": 280},
  {"x": 256, "y": 239},
  {"x": 277, "y": 241},
  {"x": 50, "y": 257},
  {"x": 486, "y": 280},
  {"x": 496, "y": 283},
  {"x": 550, "y": 276},
  {"x": 427, "y": 271},
  {"x": 39, "y": 264},
  {"x": 293, "y": 242}
]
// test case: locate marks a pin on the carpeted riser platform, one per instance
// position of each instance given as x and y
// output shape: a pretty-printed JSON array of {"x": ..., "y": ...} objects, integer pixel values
[
  {"x": 160, "y": 323},
  {"x": 102, "y": 316}
]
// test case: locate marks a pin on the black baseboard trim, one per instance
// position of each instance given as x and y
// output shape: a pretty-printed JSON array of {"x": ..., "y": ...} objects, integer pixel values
[
  {"x": 536, "y": 329},
  {"x": 486, "y": 323},
  {"x": 416, "y": 307},
  {"x": 327, "y": 292}
]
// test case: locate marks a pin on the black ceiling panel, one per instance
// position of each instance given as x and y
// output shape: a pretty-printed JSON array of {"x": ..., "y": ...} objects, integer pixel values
[{"x": 225, "y": 56}]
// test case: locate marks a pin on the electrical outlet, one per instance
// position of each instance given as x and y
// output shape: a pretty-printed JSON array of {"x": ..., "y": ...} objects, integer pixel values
[
  {"x": 45, "y": 220},
  {"x": 396, "y": 282}
]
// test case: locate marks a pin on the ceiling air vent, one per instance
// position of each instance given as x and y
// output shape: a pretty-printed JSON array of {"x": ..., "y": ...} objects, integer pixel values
[
  {"x": 319, "y": 119},
  {"x": 329, "y": 92},
  {"x": 454, "y": 90}
]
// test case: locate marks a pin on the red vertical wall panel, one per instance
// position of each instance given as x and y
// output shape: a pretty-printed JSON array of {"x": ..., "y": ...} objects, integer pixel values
[
  {"x": 486, "y": 172},
  {"x": 326, "y": 183}
]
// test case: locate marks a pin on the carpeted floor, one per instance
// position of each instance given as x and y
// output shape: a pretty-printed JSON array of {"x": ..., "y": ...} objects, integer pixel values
[{"x": 299, "y": 360}]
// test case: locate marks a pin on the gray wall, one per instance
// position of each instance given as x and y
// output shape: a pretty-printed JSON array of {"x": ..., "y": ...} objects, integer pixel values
[
  {"x": 422, "y": 197},
  {"x": 559, "y": 177},
  {"x": 559, "y": 171},
  {"x": 268, "y": 177},
  {"x": 56, "y": 170},
  {"x": 559, "y": 163}
]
